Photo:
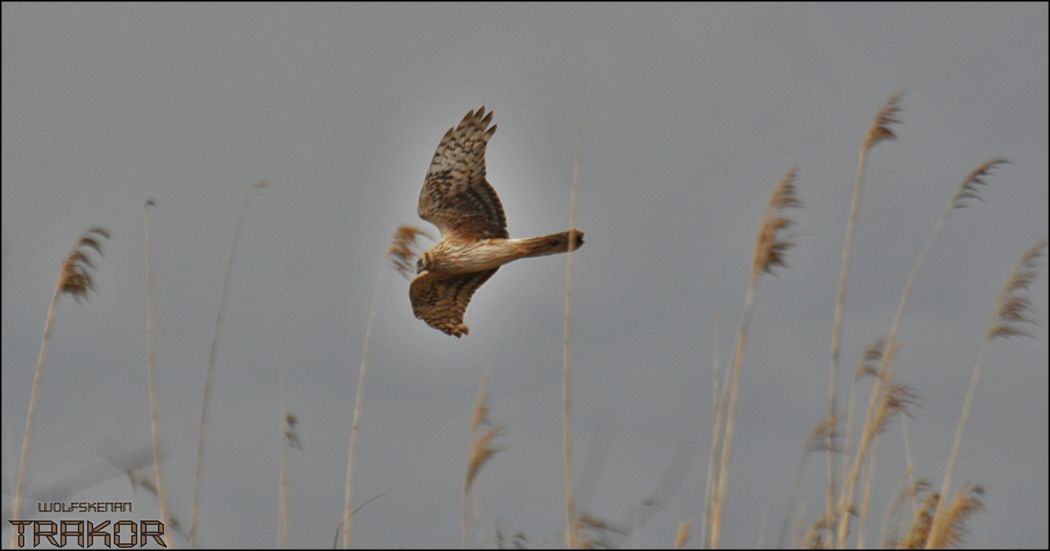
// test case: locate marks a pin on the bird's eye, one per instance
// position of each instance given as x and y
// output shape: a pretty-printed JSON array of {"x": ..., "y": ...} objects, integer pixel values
[{"x": 419, "y": 265}]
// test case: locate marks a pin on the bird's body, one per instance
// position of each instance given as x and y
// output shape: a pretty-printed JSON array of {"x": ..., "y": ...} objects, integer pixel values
[
  {"x": 451, "y": 257},
  {"x": 457, "y": 198}
]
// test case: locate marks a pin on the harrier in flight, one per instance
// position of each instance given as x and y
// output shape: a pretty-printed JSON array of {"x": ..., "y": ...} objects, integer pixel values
[{"x": 458, "y": 199}]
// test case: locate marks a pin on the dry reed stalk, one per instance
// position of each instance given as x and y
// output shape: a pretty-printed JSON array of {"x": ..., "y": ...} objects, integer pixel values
[
  {"x": 814, "y": 538},
  {"x": 865, "y": 498},
  {"x": 355, "y": 425},
  {"x": 878, "y": 131},
  {"x": 477, "y": 522},
  {"x": 817, "y": 442},
  {"x": 771, "y": 246},
  {"x": 760, "y": 540},
  {"x": 800, "y": 523},
  {"x": 717, "y": 405},
  {"x": 909, "y": 464},
  {"x": 481, "y": 450},
  {"x": 684, "y": 528},
  {"x": 195, "y": 509},
  {"x": 154, "y": 420},
  {"x": 75, "y": 279},
  {"x": 869, "y": 482},
  {"x": 286, "y": 427},
  {"x": 570, "y": 491},
  {"x": 868, "y": 365},
  {"x": 848, "y": 432},
  {"x": 968, "y": 190},
  {"x": 401, "y": 252},
  {"x": 894, "y": 399},
  {"x": 1012, "y": 310}
]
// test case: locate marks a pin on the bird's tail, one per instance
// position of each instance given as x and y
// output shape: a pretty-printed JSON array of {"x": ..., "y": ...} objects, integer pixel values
[{"x": 551, "y": 244}]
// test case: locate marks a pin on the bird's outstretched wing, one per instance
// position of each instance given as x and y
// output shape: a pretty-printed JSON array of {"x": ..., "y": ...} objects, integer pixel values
[
  {"x": 441, "y": 300},
  {"x": 456, "y": 197}
]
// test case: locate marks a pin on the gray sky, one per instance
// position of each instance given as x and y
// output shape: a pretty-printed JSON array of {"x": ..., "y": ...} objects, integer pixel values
[{"x": 690, "y": 114}]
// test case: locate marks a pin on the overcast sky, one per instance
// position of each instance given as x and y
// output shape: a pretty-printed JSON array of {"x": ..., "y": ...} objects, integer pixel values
[{"x": 690, "y": 114}]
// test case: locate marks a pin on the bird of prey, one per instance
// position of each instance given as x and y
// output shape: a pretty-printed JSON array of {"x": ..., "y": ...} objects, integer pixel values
[{"x": 459, "y": 200}]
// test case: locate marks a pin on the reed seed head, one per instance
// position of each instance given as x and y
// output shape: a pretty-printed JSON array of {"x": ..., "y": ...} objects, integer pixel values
[
  {"x": 481, "y": 410},
  {"x": 481, "y": 446},
  {"x": 481, "y": 451},
  {"x": 967, "y": 502},
  {"x": 404, "y": 248},
  {"x": 880, "y": 128},
  {"x": 970, "y": 188},
  {"x": 898, "y": 398},
  {"x": 824, "y": 436},
  {"x": 291, "y": 436},
  {"x": 870, "y": 360},
  {"x": 921, "y": 523},
  {"x": 913, "y": 490},
  {"x": 592, "y": 532},
  {"x": 76, "y": 272},
  {"x": 1014, "y": 308},
  {"x": 772, "y": 245}
]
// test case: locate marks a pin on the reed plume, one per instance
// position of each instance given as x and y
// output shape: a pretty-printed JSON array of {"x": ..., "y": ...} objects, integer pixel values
[
  {"x": 771, "y": 247},
  {"x": 879, "y": 131},
  {"x": 481, "y": 449},
  {"x": 952, "y": 530},
  {"x": 967, "y": 191},
  {"x": 881, "y": 128},
  {"x": 922, "y": 521},
  {"x": 1012, "y": 312},
  {"x": 404, "y": 248},
  {"x": 76, "y": 279},
  {"x": 895, "y": 398},
  {"x": 890, "y": 534},
  {"x": 592, "y": 532},
  {"x": 925, "y": 532},
  {"x": 772, "y": 244},
  {"x": 1014, "y": 307}
]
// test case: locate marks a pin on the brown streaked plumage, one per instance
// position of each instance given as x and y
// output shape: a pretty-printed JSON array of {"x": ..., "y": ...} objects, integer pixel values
[{"x": 459, "y": 200}]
